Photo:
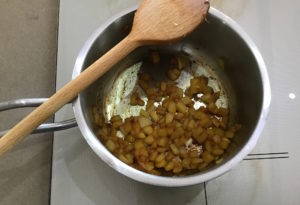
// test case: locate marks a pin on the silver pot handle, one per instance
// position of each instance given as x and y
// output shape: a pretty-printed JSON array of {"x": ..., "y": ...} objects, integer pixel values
[{"x": 34, "y": 102}]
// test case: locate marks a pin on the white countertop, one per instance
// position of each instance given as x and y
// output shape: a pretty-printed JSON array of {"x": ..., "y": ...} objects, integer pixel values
[{"x": 80, "y": 177}]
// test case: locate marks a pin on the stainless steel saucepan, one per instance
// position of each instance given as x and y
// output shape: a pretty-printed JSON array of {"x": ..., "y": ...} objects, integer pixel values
[{"x": 219, "y": 49}]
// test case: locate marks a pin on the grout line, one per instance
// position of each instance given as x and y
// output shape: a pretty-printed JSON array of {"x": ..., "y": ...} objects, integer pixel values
[
  {"x": 205, "y": 194},
  {"x": 271, "y": 153},
  {"x": 258, "y": 158},
  {"x": 57, "y": 33}
]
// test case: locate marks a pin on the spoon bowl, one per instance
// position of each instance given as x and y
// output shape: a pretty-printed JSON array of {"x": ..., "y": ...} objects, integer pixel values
[{"x": 171, "y": 21}]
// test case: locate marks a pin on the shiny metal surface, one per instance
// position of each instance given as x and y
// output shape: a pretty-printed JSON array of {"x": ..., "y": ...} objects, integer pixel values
[
  {"x": 19, "y": 103},
  {"x": 247, "y": 85},
  {"x": 34, "y": 102}
]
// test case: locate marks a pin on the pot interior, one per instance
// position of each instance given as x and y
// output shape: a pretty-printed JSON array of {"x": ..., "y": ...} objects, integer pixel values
[{"x": 214, "y": 46}]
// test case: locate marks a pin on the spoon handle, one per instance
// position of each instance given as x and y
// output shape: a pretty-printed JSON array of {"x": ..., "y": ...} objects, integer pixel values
[{"x": 66, "y": 94}]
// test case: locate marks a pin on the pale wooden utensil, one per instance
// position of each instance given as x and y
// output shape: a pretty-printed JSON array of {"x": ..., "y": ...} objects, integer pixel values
[{"x": 155, "y": 22}]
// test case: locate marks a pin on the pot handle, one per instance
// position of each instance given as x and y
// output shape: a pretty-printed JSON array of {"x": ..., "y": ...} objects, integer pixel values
[{"x": 34, "y": 102}]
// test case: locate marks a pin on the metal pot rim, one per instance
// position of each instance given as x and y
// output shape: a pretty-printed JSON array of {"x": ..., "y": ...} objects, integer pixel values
[{"x": 140, "y": 176}]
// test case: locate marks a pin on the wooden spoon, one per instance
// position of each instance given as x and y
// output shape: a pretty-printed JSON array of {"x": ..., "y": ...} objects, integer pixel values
[{"x": 155, "y": 22}]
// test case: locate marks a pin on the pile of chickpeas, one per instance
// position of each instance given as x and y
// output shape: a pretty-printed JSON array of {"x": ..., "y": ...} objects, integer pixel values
[{"x": 170, "y": 137}]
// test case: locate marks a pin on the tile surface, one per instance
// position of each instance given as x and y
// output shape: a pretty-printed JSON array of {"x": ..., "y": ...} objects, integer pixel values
[
  {"x": 79, "y": 177},
  {"x": 28, "y": 45}
]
